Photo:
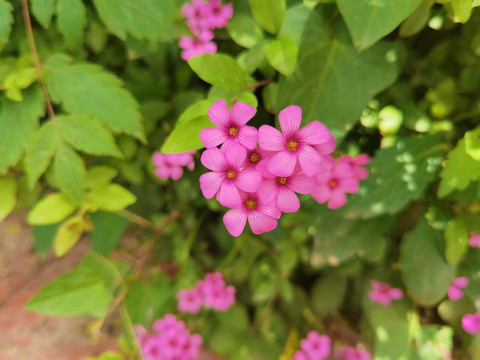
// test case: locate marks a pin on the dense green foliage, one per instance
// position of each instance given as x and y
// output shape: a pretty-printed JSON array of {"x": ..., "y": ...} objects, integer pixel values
[{"x": 397, "y": 80}]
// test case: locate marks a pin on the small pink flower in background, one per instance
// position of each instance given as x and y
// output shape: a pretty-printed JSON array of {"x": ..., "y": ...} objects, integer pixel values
[
  {"x": 474, "y": 240},
  {"x": 359, "y": 172},
  {"x": 455, "y": 289},
  {"x": 170, "y": 339},
  {"x": 333, "y": 185},
  {"x": 226, "y": 176},
  {"x": 262, "y": 217},
  {"x": 218, "y": 15},
  {"x": 170, "y": 165},
  {"x": 294, "y": 144},
  {"x": 196, "y": 46},
  {"x": 471, "y": 323},
  {"x": 351, "y": 353},
  {"x": 314, "y": 346},
  {"x": 230, "y": 125},
  {"x": 210, "y": 293},
  {"x": 383, "y": 294},
  {"x": 282, "y": 190}
]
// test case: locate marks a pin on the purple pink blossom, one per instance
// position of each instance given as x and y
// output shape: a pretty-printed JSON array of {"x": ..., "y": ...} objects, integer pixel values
[
  {"x": 352, "y": 353},
  {"x": 197, "y": 45},
  {"x": 314, "y": 347},
  {"x": 210, "y": 293},
  {"x": 474, "y": 240},
  {"x": 383, "y": 294},
  {"x": 170, "y": 165},
  {"x": 471, "y": 323},
  {"x": 169, "y": 340},
  {"x": 455, "y": 289}
]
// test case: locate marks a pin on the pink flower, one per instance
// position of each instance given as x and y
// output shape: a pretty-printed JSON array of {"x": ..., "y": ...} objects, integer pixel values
[
  {"x": 383, "y": 294},
  {"x": 300, "y": 355},
  {"x": 282, "y": 190},
  {"x": 226, "y": 176},
  {"x": 332, "y": 186},
  {"x": 169, "y": 165},
  {"x": 218, "y": 15},
  {"x": 262, "y": 217},
  {"x": 190, "y": 301},
  {"x": 255, "y": 157},
  {"x": 316, "y": 346},
  {"x": 219, "y": 299},
  {"x": 351, "y": 353},
  {"x": 294, "y": 144},
  {"x": 231, "y": 125},
  {"x": 454, "y": 290},
  {"x": 471, "y": 323},
  {"x": 358, "y": 172},
  {"x": 196, "y": 46},
  {"x": 474, "y": 240}
]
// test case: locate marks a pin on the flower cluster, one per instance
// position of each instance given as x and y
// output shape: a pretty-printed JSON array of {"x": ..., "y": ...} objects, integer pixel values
[
  {"x": 455, "y": 289},
  {"x": 169, "y": 340},
  {"x": 202, "y": 18},
  {"x": 258, "y": 173},
  {"x": 314, "y": 347},
  {"x": 170, "y": 165},
  {"x": 211, "y": 293},
  {"x": 383, "y": 294},
  {"x": 471, "y": 323},
  {"x": 352, "y": 353}
]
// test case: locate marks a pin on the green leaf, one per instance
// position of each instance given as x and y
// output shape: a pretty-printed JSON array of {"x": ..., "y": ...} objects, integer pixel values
[
  {"x": 321, "y": 83},
  {"x": 369, "y": 21},
  {"x": 459, "y": 171},
  {"x": 44, "y": 236},
  {"x": 6, "y": 21},
  {"x": 89, "y": 89},
  {"x": 72, "y": 20},
  {"x": 112, "y": 197},
  {"x": 51, "y": 209},
  {"x": 398, "y": 175},
  {"x": 282, "y": 55},
  {"x": 69, "y": 171},
  {"x": 88, "y": 135},
  {"x": 415, "y": 22},
  {"x": 456, "y": 240},
  {"x": 68, "y": 234},
  {"x": 185, "y": 137},
  {"x": 472, "y": 143},
  {"x": 8, "y": 196},
  {"x": 43, "y": 11},
  {"x": 107, "y": 231},
  {"x": 18, "y": 120},
  {"x": 149, "y": 19},
  {"x": 81, "y": 291},
  {"x": 219, "y": 70},
  {"x": 269, "y": 14},
  {"x": 100, "y": 176},
  {"x": 244, "y": 31},
  {"x": 328, "y": 293},
  {"x": 200, "y": 108},
  {"x": 40, "y": 149},
  {"x": 462, "y": 9},
  {"x": 145, "y": 301},
  {"x": 424, "y": 269}
]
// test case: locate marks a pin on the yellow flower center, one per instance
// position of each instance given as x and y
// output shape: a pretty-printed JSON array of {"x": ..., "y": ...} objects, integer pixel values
[
  {"x": 332, "y": 183},
  {"x": 292, "y": 145},
  {"x": 251, "y": 204},
  {"x": 231, "y": 174},
  {"x": 254, "y": 158},
  {"x": 282, "y": 180},
  {"x": 233, "y": 131}
]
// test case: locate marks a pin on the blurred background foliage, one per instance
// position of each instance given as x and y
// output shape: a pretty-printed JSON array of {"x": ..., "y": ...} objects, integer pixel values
[{"x": 398, "y": 82}]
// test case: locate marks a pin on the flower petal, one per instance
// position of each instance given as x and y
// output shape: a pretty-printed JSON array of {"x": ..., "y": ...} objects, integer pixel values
[
  {"x": 228, "y": 195},
  {"x": 270, "y": 138},
  {"x": 235, "y": 220},
  {"x": 219, "y": 114},
  {"x": 349, "y": 185},
  {"x": 314, "y": 133},
  {"x": 337, "y": 199},
  {"x": 454, "y": 293},
  {"x": 213, "y": 159},
  {"x": 261, "y": 223},
  {"x": 321, "y": 193},
  {"x": 460, "y": 282},
  {"x": 248, "y": 137},
  {"x": 268, "y": 190},
  {"x": 301, "y": 184},
  {"x": 282, "y": 163},
  {"x": 248, "y": 180},
  {"x": 326, "y": 147},
  {"x": 212, "y": 137},
  {"x": 395, "y": 294},
  {"x": 235, "y": 154},
  {"x": 287, "y": 201},
  {"x": 309, "y": 160},
  {"x": 241, "y": 113},
  {"x": 469, "y": 323},
  {"x": 210, "y": 183},
  {"x": 176, "y": 172},
  {"x": 290, "y": 119}
]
